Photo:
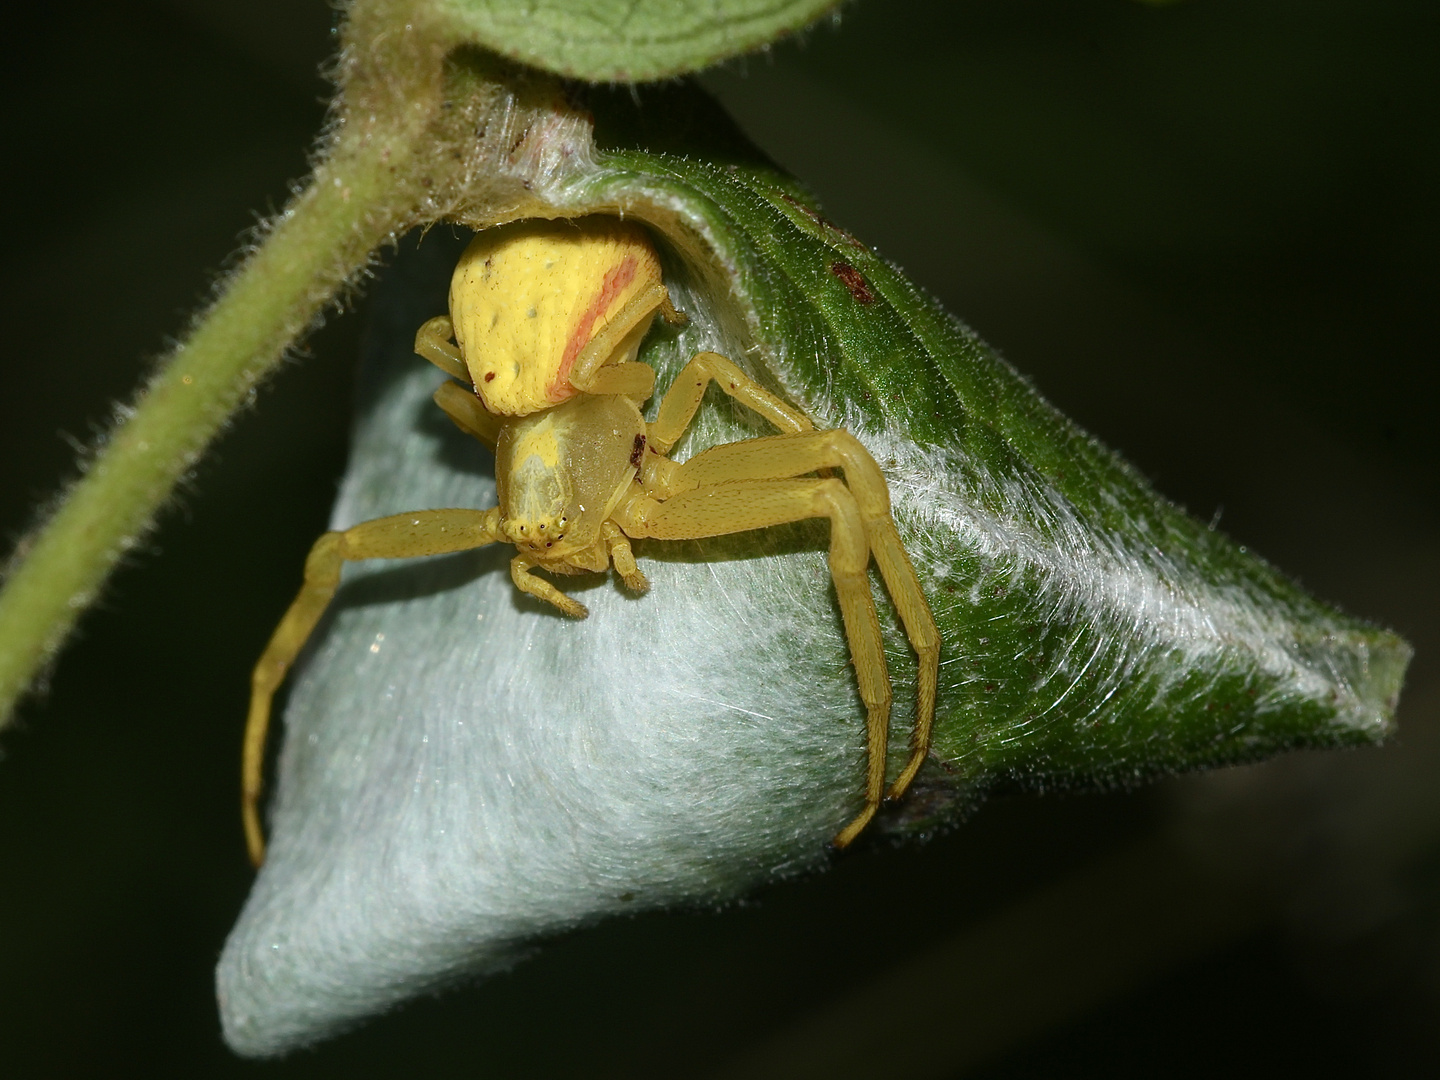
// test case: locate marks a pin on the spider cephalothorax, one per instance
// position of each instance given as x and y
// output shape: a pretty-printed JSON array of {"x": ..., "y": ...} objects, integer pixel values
[{"x": 546, "y": 320}]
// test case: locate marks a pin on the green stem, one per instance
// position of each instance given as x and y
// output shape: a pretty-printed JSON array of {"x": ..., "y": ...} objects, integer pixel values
[
  {"x": 411, "y": 147},
  {"x": 314, "y": 246}
]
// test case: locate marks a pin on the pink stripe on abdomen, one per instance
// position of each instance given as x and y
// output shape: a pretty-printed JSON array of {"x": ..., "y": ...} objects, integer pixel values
[{"x": 616, "y": 281}]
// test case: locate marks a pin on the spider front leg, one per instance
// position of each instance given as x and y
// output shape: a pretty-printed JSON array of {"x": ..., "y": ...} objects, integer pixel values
[
  {"x": 595, "y": 373},
  {"x": 758, "y": 504},
  {"x": 434, "y": 342},
  {"x": 791, "y": 455},
  {"x": 424, "y": 532},
  {"x": 467, "y": 413},
  {"x": 688, "y": 390}
]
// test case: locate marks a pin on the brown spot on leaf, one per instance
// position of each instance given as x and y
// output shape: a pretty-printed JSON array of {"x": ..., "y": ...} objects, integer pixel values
[
  {"x": 821, "y": 222},
  {"x": 808, "y": 211},
  {"x": 637, "y": 451},
  {"x": 853, "y": 280}
]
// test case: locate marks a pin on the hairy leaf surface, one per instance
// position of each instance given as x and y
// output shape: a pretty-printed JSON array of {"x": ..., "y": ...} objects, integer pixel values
[{"x": 465, "y": 771}]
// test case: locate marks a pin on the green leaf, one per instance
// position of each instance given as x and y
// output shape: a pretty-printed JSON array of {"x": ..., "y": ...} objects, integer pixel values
[
  {"x": 626, "y": 40},
  {"x": 465, "y": 771},
  {"x": 1094, "y": 632}
]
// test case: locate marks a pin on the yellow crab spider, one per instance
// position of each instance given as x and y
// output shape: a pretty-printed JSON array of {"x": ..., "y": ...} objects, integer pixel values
[{"x": 547, "y": 318}]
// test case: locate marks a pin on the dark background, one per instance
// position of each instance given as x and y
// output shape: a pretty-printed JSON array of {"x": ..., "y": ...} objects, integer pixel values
[{"x": 1209, "y": 231}]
